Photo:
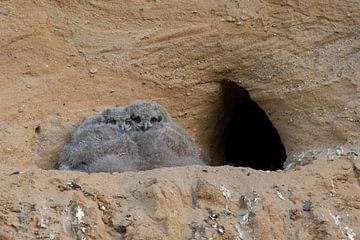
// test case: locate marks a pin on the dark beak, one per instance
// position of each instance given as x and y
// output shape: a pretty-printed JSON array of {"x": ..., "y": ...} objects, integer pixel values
[{"x": 121, "y": 127}]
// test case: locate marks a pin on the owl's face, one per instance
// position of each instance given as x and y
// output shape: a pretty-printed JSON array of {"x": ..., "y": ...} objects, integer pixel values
[
  {"x": 118, "y": 117},
  {"x": 146, "y": 115}
]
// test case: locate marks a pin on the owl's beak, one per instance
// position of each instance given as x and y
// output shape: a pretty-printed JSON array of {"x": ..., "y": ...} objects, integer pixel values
[
  {"x": 146, "y": 125},
  {"x": 121, "y": 127}
]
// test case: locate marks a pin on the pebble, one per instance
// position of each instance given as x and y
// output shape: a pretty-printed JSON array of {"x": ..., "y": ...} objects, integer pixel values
[
  {"x": 339, "y": 151},
  {"x": 228, "y": 19},
  {"x": 307, "y": 206},
  {"x": 221, "y": 230},
  {"x": 92, "y": 71},
  {"x": 43, "y": 223}
]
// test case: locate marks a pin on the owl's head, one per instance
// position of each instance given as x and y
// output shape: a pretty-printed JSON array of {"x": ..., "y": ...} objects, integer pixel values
[
  {"x": 147, "y": 114},
  {"x": 118, "y": 117}
]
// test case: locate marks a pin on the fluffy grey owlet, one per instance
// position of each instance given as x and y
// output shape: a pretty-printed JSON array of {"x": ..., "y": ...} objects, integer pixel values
[
  {"x": 160, "y": 142},
  {"x": 101, "y": 144}
]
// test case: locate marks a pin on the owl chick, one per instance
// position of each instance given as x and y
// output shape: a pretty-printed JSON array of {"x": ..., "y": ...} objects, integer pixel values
[
  {"x": 101, "y": 143},
  {"x": 147, "y": 114},
  {"x": 160, "y": 142},
  {"x": 113, "y": 116}
]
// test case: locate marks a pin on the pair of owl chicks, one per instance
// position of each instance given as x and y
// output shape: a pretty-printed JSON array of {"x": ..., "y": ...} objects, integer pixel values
[{"x": 140, "y": 136}]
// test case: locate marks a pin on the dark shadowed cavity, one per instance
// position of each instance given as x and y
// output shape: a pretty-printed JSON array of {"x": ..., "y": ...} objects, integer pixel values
[{"x": 248, "y": 139}]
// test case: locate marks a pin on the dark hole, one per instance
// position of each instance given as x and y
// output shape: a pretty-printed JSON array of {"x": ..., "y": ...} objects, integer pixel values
[
  {"x": 37, "y": 129},
  {"x": 249, "y": 139},
  {"x": 120, "y": 229}
]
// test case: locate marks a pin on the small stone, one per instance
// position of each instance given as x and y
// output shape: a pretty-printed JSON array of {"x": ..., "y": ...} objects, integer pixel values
[
  {"x": 51, "y": 236},
  {"x": 188, "y": 94},
  {"x": 79, "y": 214},
  {"x": 339, "y": 151},
  {"x": 92, "y": 71},
  {"x": 228, "y": 19},
  {"x": 221, "y": 230},
  {"x": 280, "y": 195},
  {"x": 307, "y": 206},
  {"x": 69, "y": 186},
  {"x": 43, "y": 223},
  {"x": 213, "y": 216},
  {"x": 244, "y": 18},
  {"x": 102, "y": 207}
]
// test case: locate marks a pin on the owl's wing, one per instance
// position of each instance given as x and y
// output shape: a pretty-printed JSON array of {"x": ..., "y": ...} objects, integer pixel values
[
  {"x": 164, "y": 147},
  {"x": 86, "y": 151},
  {"x": 95, "y": 133},
  {"x": 177, "y": 140}
]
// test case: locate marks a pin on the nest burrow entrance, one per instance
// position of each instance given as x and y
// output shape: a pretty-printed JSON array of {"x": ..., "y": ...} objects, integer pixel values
[{"x": 245, "y": 135}]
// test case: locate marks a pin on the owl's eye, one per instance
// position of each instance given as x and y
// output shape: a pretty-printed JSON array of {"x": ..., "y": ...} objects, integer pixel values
[
  {"x": 153, "y": 120},
  {"x": 111, "y": 121},
  {"x": 136, "y": 119},
  {"x": 127, "y": 122}
]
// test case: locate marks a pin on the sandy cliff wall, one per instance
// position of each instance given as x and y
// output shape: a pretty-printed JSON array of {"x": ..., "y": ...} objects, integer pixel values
[{"x": 63, "y": 60}]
